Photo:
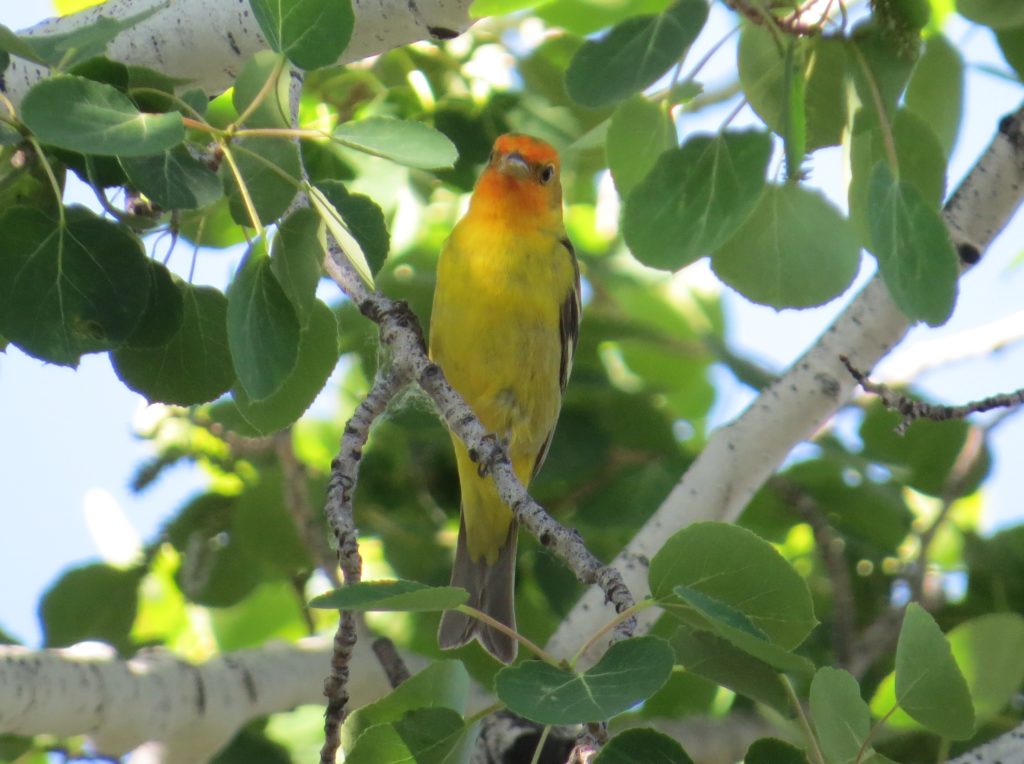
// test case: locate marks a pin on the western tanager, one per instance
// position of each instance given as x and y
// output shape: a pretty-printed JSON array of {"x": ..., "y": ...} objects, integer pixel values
[{"x": 504, "y": 329}]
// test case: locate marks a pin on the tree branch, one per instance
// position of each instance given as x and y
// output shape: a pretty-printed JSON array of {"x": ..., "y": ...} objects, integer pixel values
[
  {"x": 912, "y": 409},
  {"x": 400, "y": 333},
  {"x": 1005, "y": 749},
  {"x": 740, "y": 456},
  {"x": 207, "y": 43},
  {"x": 192, "y": 709}
]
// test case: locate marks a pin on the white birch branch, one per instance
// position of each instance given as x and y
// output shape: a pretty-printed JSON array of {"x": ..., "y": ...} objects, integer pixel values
[
  {"x": 208, "y": 41},
  {"x": 1005, "y": 749},
  {"x": 190, "y": 710},
  {"x": 741, "y": 456}
]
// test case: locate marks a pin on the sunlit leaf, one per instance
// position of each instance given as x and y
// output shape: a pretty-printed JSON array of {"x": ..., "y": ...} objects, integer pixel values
[
  {"x": 92, "y": 118},
  {"x": 794, "y": 251},
  {"x": 640, "y": 130},
  {"x": 312, "y": 33},
  {"x": 841, "y": 717},
  {"x": 929, "y": 685},
  {"x": 413, "y": 144}
]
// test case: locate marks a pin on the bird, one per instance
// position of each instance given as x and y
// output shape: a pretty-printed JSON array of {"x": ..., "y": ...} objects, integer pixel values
[{"x": 504, "y": 328}]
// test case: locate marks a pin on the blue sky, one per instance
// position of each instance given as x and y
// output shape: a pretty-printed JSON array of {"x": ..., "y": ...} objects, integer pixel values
[{"x": 67, "y": 432}]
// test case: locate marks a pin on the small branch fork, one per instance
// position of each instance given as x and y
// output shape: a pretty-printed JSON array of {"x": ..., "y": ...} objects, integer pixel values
[
  {"x": 912, "y": 409},
  {"x": 402, "y": 337}
]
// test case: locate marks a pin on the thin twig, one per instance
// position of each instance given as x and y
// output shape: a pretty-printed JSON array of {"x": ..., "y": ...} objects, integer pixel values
[
  {"x": 401, "y": 334},
  {"x": 340, "y": 491},
  {"x": 390, "y": 660},
  {"x": 912, "y": 409}
]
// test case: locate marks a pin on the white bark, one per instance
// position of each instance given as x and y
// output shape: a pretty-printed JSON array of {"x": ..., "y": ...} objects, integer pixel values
[
  {"x": 740, "y": 456},
  {"x": 190, "y": 711},
  {"x": 1005, "y": 749},
  {"x": 208, "y": 41}
]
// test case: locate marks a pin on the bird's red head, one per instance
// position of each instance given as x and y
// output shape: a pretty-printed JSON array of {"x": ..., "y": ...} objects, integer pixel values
[{"x": 522, "y": 177}]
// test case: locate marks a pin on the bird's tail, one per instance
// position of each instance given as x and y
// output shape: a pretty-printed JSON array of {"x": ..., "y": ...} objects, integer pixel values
[{"x": 491, "y": 590}]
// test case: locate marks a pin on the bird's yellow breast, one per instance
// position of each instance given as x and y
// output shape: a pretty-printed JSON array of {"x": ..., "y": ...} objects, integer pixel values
[{"x": 495, "y": 330}]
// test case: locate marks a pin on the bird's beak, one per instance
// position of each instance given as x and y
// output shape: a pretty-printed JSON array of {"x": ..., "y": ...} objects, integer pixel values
[{"x": 514, "y": 164}]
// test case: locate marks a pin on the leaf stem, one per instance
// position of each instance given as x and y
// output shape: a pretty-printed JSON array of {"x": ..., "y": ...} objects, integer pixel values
[
  {"x": 250, "y": 208},
  {"x": 264, "y": 91},
  {"x": 496, "y": 624},
  {"x": 540, "y": 744},
  {"x": 883, "y": 118},
  {"x": 483, "y": 712},
  {"x": 624, "y": 615},
  {"x": 57, "y": 192},
  {"x": 812, "y": 742},
  {"x": 871, "y": 733}
]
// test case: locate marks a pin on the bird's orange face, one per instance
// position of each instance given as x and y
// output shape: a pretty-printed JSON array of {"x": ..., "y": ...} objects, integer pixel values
[{"x": 522, "y": 177}]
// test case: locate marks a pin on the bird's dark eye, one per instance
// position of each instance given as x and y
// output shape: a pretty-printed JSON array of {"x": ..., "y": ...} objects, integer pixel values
[{"x": 547, "y": 173}]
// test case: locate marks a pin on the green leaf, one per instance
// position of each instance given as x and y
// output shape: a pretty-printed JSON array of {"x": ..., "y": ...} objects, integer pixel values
[
  {"x": 407, "y": 596},
  {"x": 769, "y": 750},
  {"x": 842, "y": 720},
  {"x": 296, "y": 259},
  {"x": 987, "y": 649},
  {"x": 413, "y": 144},
  {"x": 714, "y": 658},
  {"x": 72, "y": 288},
  {"x": 911, "y": 243},
  {"x": 263, "y": 328},
  {"x": 794, "y": 130},
  {"x": 639, "y": 131},
  {"x": 164, "y": 311},
  {"x": 736, "y": 567},
  {"x": 761, "y": 62},
  {"x": 716, "y": 610},
  {"x": 312, "y": 33},
  {"x": 794, "y": 251},
  {"x": 89, "y": 117},
  {"x": 424, "y": 736},
  {"x": 921, "y": 159},
  {"x": 634, "y": 54},
  {"x": 62, "y": 51},
  {"x": 695, "y": 198},
  {"x": 195, "y": 366},
  {"x": 935, "y": 92},
  {"x": 642, "y": 746},
  {"x": 274, "y": 109},
  {"x": 270, "y": 169},
  {"x": 318, "y": 354},
  {"x": 629, "y": 672},
  {"x": 880, "y": 62},
  {"x": 998, "y": 14},
  {"x": 273, "y": 610},
  {"x": 339, "y": 230},
  {"x": 174, "y": 180},
  {"x": 251, "y": 745},
  {"x": 91, "y": 602},
  {"x": 364, "y": 220},
  {"x": 262, "y": 525},
  {"x": 929, "y": 685},
  {"x": 442, "y": 684}
]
